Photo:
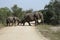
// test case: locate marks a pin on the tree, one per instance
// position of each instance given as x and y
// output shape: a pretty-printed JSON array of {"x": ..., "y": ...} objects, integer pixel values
[
  {"x": 4, "y": 13},
  {"x": 17, "y": 11},
  {"x": 52, "y": 12},
  {"x": 29, "y": 11}
]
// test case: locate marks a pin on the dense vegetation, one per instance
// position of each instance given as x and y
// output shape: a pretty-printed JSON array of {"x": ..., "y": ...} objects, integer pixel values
[{"x": 51, "y": 12}]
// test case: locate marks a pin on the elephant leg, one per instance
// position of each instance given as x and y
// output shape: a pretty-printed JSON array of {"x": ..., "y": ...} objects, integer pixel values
[
  {"x": 42, "y": 22},
  {"x": 23, "y": 23},
  {"x": 8, "y": 24},
  {"x": 18, "y": 23},
  {"x": 36, "y": 22},
  {"x": 12, "y": 24},
  {"x": 29, "y": 23}
]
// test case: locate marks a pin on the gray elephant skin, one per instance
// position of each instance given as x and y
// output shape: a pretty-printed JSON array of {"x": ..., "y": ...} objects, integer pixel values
[
  {"x": 11, "y": 20},
  {"x": 32, "y": 17}
]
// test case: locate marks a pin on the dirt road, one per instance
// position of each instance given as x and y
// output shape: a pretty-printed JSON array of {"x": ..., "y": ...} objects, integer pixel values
[{"x": 20, "y": 33}]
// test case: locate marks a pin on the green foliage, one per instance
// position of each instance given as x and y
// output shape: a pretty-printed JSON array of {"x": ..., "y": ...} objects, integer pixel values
[
  {"x": 29, "y": 11},
  {"x": 17, "y": 11},
  {"x": 4, "y": 13},
  {"x": 52, "y": 12}
]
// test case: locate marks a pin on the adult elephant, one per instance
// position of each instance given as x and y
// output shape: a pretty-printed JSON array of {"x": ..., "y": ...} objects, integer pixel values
[
  {"x": 11, "y": 20},
  {"x": 32, "y": 17},
  {"x": 39, "y": 15}
]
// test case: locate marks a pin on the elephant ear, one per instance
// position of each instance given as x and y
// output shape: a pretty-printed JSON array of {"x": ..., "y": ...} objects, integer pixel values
[{"x": 42, "y": 17}]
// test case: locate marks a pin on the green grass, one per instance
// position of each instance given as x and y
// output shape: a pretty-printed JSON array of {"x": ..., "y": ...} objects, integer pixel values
[{"x": 48, "y": 33}]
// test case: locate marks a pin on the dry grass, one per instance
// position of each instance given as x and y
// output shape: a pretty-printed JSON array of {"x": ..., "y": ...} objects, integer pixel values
[
  {"x": 49, "y": 31},
  {"x": 2, "y": 25}
]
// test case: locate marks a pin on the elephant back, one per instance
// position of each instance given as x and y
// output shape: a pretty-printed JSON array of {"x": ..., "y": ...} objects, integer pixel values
[
  {"x": 29, "y": 16},
  {"x": 10, "y": 18}
]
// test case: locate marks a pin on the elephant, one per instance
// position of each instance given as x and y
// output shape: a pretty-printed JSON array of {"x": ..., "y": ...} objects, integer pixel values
[
  {"x": 11, "y": 19},
  {"x": 39, "y": 15},
  {"x": 32, "y": 17},
  {"x": 16, "y": 20}
]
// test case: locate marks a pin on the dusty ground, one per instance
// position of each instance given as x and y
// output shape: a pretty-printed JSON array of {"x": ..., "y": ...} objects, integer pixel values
[{"x": 21, "y": 33}]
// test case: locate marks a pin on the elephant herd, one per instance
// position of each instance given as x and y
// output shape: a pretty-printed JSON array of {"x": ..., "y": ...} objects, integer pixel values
[{"x": 28, "y": 17}]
